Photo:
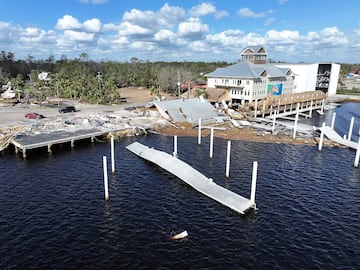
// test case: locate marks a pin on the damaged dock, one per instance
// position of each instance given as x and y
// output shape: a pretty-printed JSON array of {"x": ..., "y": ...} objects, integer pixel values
[
  {"x": 195, "y": 179},
  {"x": 26, "y": 142}
]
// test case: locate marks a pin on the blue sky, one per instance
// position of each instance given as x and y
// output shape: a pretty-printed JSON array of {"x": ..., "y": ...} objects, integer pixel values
[{"x": 291, "y": 30}]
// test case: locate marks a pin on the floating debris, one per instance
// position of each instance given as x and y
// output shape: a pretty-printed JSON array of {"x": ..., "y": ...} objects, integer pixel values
[{"x": 179, "y": 236}]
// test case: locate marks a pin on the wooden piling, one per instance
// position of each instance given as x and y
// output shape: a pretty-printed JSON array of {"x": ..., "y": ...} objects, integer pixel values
[
  {"x": 112, "y": 154},
  {"x": 333, "y": 120},
  {"x": 175, "y": 146},
  {"x": 211, "y": 142},
  {"x": 199, "y": 132},
  {"x": 227, "y": 172},
  {"x": 106, "y": 188},
  {"x": 253, "y": 182},
  {"x": 296, "y": 119},
  {"x": 351, "y": 128},
  {"x": 357, "y": 155},
  {"x": 321, "y": 136}
]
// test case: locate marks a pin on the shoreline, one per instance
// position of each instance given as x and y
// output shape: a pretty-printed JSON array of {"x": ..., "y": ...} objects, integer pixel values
[{"x": 126, "y": 121}]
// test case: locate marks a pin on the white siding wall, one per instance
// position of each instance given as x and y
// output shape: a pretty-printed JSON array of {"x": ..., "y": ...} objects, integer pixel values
[
  {"x": 305, "y": 76},
  {"x": 334, "y": 78},
  {"x": 288, "y": 85}
]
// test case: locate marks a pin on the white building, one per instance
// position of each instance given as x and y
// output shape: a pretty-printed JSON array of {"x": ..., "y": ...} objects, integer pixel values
[
  {"x": 317, "y": 76},
  {"x": 247, "y": 82},
  {"x": 252, "y": 78}
]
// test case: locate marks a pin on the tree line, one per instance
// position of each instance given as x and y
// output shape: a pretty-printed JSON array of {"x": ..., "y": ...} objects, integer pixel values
[{"x": 97, "y": 82}]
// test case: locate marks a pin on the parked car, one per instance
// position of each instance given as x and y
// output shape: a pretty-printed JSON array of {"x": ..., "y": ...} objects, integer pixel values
[
  {"x": 67, "y": 109},
  {"x": 34, "y": 116}
]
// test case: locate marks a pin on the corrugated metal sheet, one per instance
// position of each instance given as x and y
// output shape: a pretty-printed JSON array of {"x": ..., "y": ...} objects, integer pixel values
[{"x": 186, "y": 110}]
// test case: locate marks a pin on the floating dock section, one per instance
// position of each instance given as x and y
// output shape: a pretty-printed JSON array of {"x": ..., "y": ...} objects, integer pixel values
[
  {"x": 332, "y": 135},
  {"x": 193, "y": 178}
]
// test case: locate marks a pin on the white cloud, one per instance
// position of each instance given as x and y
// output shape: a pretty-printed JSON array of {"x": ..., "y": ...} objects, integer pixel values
[
  {"x": 282, "y": 37},
  {"x": 68, "y": 22},
  {"x": 93, "y": 25},
  {"x": 205, "y": 9},
  {"x": 129, "y": 29},
  {"x": 171, "y": 15},
  {"x": 165, "y": 35},
  {"x": 220, "y": 14},
  {"x": 202, "y": 10},
  {"x": 78, "y": 36},
  {"x": 247, "y": 12},
  {"x": 192, "y": 28}
]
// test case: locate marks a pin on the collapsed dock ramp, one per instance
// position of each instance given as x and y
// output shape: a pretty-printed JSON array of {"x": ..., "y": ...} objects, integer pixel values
[{"x": 193, "y": 178}]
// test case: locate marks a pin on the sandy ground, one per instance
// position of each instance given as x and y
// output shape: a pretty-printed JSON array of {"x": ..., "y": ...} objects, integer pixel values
[{"x": 136, "y": 98}]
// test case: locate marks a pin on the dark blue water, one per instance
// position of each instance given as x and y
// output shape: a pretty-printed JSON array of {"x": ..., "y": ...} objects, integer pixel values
[{"x": 53, "y": 213}]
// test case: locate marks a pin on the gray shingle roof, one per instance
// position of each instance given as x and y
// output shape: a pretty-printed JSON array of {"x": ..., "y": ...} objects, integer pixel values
[{"x": 247, "y": 69}]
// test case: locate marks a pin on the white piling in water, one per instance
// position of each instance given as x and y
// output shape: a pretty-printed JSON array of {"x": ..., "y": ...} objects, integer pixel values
[
  {"x": 253, "y": 182},
  {"x": 199, "y": 132},
  {"x": 321, "y": 136},
  {"x": 106, "y": 188},
  {"x": 351, "y": 128},
  {"x": 112, "y": 155},
  {"x": 211, "y": 142},
  {"x": 175, "y": 146},
  {"x": 296, "y": 119},
  {"x": 357, "y": 155},
  {"x": 227, "y": 173},
  {"x": 333, "y": 120}
]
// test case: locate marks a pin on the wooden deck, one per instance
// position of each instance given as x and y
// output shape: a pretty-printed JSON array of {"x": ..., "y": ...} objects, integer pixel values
[
  {"x": 26, "y": 142},
  {"x": 193, "y": 178}
]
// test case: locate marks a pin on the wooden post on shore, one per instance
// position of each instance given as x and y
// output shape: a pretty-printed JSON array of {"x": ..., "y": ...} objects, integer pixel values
[
  {"x": 333, "y": 120},
  {"x": 256, "y": 105},
  {"x": 296, "y": 120},
  {"x": 253, "y": 182},
  {"x": 175, "y": 146},
  {"x": 357, "y": 155},
  {"x": 227, "y": 172},
  {"x": 273, "y": 123},
  {"x": 322, "y": 105},
  {"x": 199, "y": 132},
  {"x": 106, "y": 188},
  {"x": 351, "y": 128},
  {"x": 321, "y": 136},
  {"x": 263, "y": 110},
  {"x": 311, "y": 108},
  {"x": 112, "y": 154},
  {"x": 211, "y": 142}
]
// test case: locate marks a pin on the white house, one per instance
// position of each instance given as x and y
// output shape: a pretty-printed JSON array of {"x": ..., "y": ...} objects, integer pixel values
[{"x": 252, "y": 78}]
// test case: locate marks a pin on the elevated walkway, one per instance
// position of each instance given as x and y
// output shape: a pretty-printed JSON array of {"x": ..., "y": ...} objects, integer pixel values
[{"x": 193, "y": 178}]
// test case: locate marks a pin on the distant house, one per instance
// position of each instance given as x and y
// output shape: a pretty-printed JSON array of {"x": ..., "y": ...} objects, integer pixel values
[{"x": 252, "y": 79}]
